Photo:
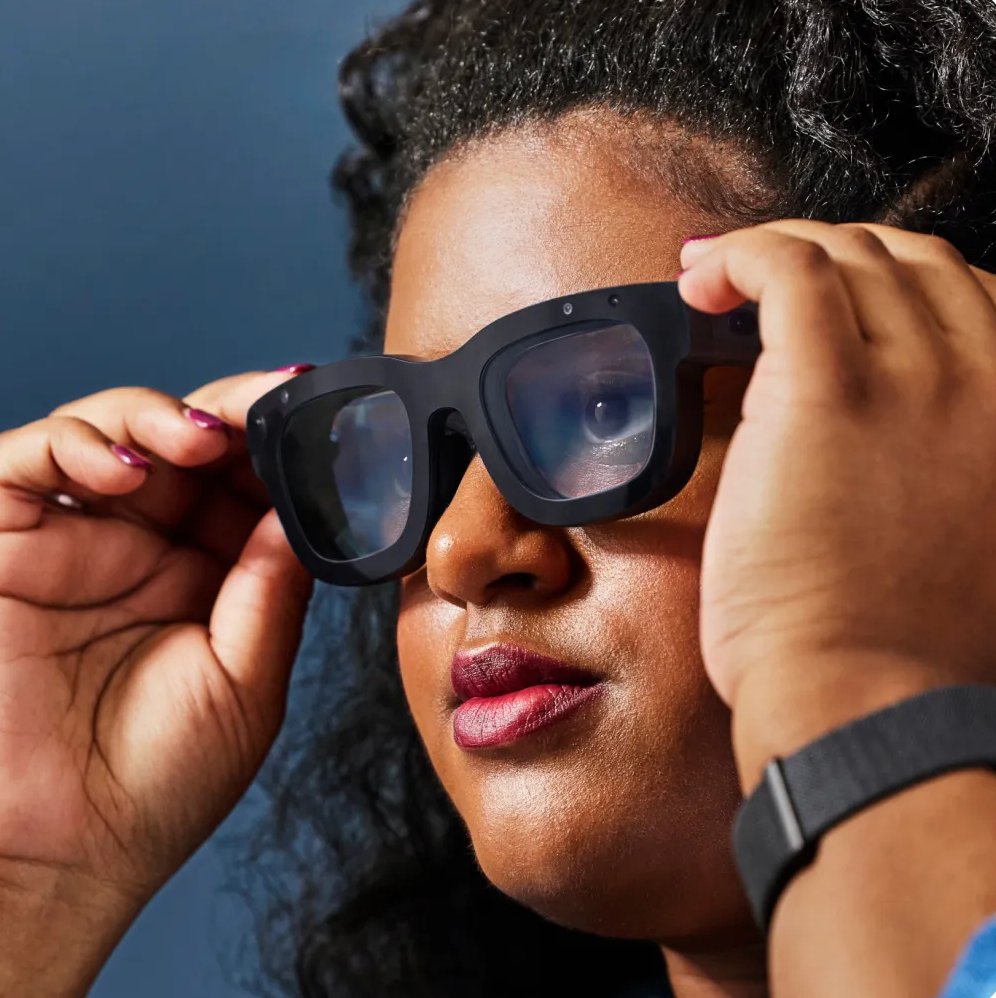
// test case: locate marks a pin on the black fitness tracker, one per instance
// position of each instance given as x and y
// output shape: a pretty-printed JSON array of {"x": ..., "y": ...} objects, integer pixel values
[{"x": 778, "y": 827}]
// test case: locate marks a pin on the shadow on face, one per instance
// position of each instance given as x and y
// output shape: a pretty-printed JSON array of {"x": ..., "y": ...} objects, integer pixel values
[{"x": 615, "y": 819}]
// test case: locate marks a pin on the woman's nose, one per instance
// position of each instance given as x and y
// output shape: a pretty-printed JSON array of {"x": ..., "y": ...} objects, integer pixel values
[{"x": 481, "y": 549}]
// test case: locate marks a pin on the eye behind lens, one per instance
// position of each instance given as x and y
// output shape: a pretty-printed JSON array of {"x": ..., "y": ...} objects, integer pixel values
[
  {"x": 347, "y": 459},
  {"x": 583, "y": 407},
  {"x": 606, "y": 416}
]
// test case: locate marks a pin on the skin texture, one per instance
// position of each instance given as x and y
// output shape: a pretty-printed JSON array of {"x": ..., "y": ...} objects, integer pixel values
[{"x": 616, "y": 820}]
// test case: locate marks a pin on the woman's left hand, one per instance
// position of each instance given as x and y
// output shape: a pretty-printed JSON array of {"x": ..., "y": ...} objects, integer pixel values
[{"x": 850, "y": 558}]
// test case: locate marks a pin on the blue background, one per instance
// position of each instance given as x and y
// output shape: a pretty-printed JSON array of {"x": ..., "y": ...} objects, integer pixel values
[{"x": 165, "y": 221}]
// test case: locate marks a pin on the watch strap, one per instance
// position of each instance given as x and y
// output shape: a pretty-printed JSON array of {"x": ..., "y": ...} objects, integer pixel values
[{"x": 778, "y": 827}]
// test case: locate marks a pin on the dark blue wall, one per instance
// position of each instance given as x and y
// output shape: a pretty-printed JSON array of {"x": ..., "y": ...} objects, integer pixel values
[{"x": 164, "y": 221}]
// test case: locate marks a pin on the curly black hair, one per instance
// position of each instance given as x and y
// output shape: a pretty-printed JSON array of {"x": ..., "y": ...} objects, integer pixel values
[{"x": 880, "y": 110}]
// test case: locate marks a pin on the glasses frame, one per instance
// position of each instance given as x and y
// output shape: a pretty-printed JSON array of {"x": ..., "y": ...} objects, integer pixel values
[{"x": 683, "y": 343}]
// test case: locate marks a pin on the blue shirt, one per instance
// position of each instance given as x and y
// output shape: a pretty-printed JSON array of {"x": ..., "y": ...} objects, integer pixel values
[{"x": 974, "y": 975}]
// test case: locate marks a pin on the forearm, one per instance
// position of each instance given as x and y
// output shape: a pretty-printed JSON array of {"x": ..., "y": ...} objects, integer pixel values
[
  {"x": 896, "y": 891},
  {"x": 56, "y": 931}
]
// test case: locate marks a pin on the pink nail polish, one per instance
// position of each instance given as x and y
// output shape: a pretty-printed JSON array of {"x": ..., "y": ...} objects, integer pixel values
[
  {"x": 205, "y": 420},
  {"x": 695, "y": 239},
  {"x": 677, "y": 276},
  {"x": 296, "y": 368},
  {"x": 132, "y": 459}
]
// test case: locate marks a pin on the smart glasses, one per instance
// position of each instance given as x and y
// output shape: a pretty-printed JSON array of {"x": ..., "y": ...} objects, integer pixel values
[{"x": 582, "y": 408}]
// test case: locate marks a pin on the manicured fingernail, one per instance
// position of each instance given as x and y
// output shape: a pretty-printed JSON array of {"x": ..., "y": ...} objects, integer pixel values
[
  {"x": 295, "y": 368},
  {"x": 205, "y": 420},
  {"x": 696, "y": 239},
  {"x": 129, "y": 457}
]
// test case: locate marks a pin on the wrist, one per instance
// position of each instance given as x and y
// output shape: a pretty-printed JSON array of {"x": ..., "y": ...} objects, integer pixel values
[
  {"x": 781, "y": 706},
  {"x": 60, "y": 927}
]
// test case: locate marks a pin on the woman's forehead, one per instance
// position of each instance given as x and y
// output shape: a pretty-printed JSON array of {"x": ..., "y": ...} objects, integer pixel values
[{"x": 517, "y": 219}]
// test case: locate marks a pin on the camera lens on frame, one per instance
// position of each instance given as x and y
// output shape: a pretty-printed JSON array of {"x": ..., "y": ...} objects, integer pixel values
[{"x": 743, "y": 322}]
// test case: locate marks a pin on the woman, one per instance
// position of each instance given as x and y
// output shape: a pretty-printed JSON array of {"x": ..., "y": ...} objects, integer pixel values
[{"x": 509, "y": 153}]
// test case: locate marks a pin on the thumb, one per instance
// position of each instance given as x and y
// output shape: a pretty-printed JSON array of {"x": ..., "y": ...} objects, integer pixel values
[{"x": 258, "y": 616}]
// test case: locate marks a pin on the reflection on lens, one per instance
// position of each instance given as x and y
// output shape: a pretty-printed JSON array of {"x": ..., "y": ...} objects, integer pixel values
[
  {"x": 347, "y": 458},
  {"x": 584, "y": 408}
]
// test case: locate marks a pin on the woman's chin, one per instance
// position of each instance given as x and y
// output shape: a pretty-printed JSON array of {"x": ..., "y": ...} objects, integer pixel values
[
  {"x": 590, "y": 908},
  {"x": 617, "y": 879},
  {"x": 590, "y": 893},
  {"x": 596, "y": 904}
]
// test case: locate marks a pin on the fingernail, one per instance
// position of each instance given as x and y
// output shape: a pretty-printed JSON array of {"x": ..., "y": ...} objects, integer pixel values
[
  {"x": 677, "y": 276},
  {"x": 695, "y": 239},
  {"x": 129, "y": 457},
  {"x": 295, "y": 368},
  {"x": 205, "y": 420}
]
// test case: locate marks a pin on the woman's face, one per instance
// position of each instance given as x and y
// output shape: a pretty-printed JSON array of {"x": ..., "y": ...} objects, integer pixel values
[{"x": 615, "y": 817}]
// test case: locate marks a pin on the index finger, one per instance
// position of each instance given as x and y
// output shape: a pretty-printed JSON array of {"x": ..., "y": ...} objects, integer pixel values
[
  {"x": 805, "y": 305},
  {"x": 230, "y": 397}
]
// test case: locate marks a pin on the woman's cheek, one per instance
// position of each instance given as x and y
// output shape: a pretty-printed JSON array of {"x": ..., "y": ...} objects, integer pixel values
[{"x": 425, "y": 650}]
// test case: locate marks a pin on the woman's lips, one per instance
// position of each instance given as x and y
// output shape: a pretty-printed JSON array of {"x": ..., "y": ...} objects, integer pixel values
[{"x": 508, "y": 692}]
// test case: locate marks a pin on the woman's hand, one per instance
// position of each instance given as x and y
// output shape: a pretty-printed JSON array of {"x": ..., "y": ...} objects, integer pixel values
[
  {"x": 850, "y": 558},
  {"x": 145, "y": 638}
]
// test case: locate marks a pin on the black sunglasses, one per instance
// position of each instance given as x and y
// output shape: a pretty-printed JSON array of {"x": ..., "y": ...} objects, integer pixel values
[{"x": 582, "y": 408}]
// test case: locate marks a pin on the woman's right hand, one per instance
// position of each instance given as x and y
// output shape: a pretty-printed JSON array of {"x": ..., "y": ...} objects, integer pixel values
[{"x": 146, "y": 638}]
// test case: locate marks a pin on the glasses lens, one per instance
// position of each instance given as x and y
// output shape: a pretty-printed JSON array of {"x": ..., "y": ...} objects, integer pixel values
[
  {"x": 584, "y": 408},
  {"x": 347, "y": 459}
]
